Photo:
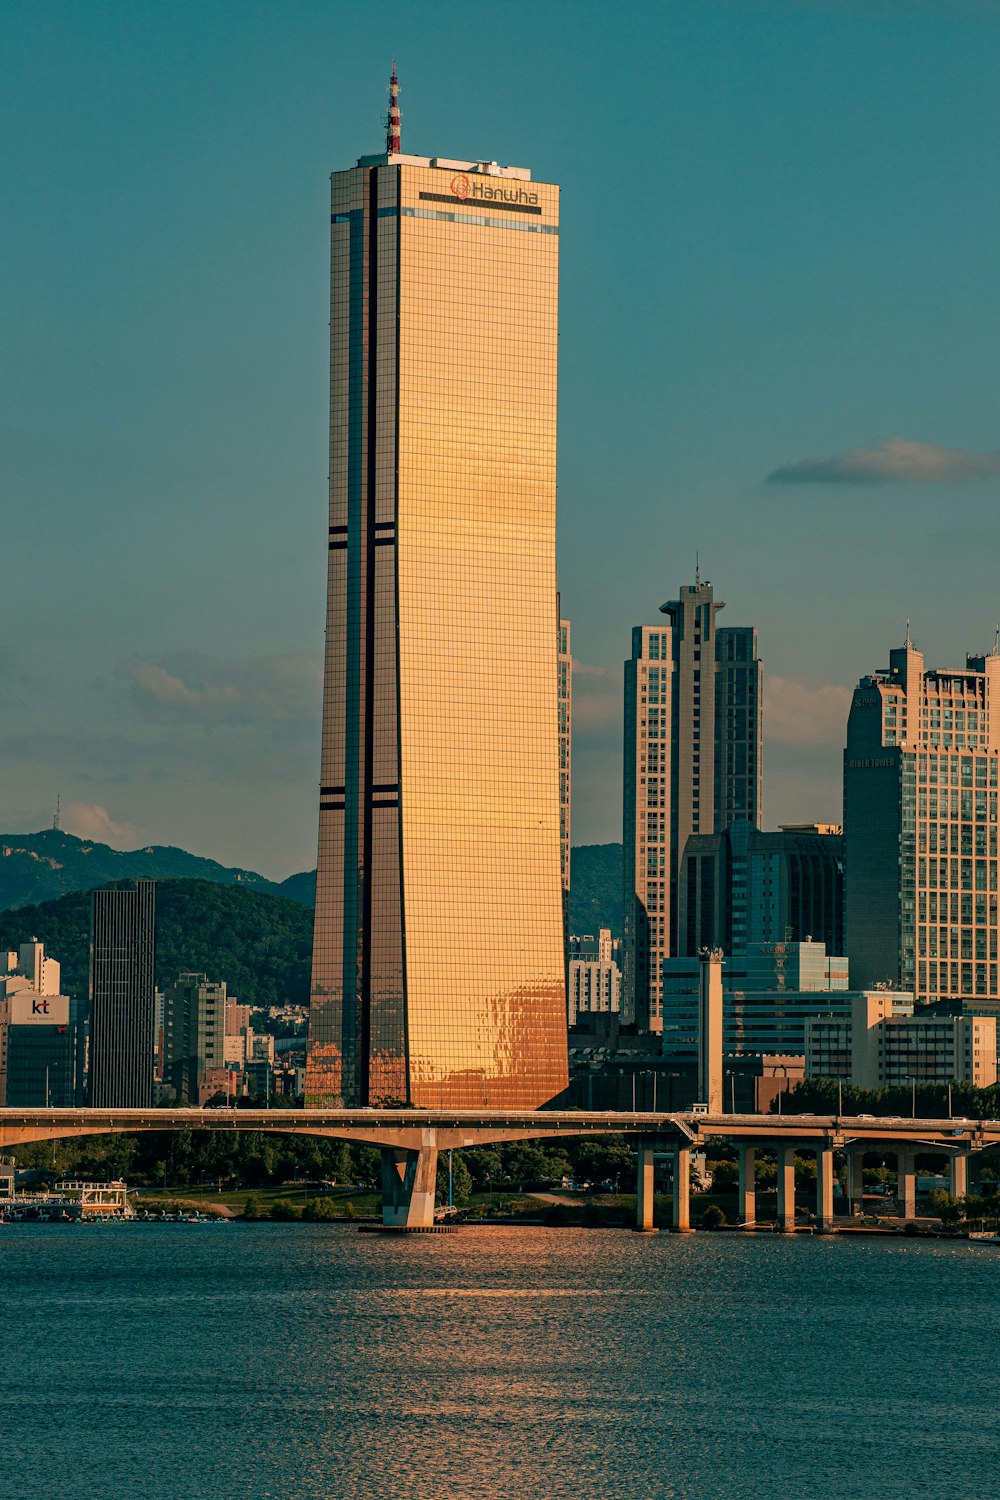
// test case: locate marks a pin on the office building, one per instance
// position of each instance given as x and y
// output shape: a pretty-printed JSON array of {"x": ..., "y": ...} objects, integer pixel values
[
  {"x": 769, "y": 994},
  {"x": 40, "y": 1031},
  {"x": 122, "y": 1003},
  {"x": 594, "y": 977},
  {"x": 693, "y": 764},
  {"x": 195, "y": 1038},
  {"x": 743, "y": 886},
  {"x": 920, "y": 827},
  {"x": 440, "y": 804},
  {"x": 883, "y": 1042}
]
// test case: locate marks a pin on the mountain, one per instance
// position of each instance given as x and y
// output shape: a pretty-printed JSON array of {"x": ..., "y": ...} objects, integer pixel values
[
  {"x": 40, "y": 866},
  {"x": 595, "y": 896},
  {"x": 258, "y": 943},
  {"x": 300, "y": 887}
]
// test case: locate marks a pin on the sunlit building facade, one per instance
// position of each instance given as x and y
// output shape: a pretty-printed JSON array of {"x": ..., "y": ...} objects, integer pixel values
[
  {"x": 438, "y": 975},
  {"x": 921, "y": 862},
  {"x": 693, "y": 765}
]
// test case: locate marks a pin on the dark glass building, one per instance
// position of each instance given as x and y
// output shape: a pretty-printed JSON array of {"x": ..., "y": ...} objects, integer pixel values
[
  {"x": 122, "y": 953},
  {"x": 743, "y": 886}
]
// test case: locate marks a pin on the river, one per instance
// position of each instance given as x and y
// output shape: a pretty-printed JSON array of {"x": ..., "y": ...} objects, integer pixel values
[{"x": 312, "y": 1362}]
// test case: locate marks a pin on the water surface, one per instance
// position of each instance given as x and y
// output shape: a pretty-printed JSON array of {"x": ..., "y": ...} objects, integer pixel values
[{"x": 301, "y": 1361}]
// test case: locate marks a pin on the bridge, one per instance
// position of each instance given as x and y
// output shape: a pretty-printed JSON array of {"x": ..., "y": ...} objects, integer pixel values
[{"x": 409, "y": 1141}]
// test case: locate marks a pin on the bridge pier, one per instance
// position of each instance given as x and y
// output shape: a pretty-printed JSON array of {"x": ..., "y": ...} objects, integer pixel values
[
  {"x": 682, "y": 1189},
  {"x": 958, "y": 1174},
  {"x": 644, "y": 1187},
  {"x": 409, "y": 1180},
  {"x": 906, "y": 1183},
  {"x": 748, "y": 1186},
  {"x": 785, "y": 1162},
  {"x": 856, "y": 1179},
  {"x": 824, "y": 1187}
]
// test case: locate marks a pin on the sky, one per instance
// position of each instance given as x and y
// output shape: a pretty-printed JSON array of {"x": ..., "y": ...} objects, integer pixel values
[{"x": 779, "y": 310}]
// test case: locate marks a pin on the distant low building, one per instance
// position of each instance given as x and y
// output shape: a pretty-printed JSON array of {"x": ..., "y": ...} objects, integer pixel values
[
  {"x": 194, "y": 1037},
  {"x": 594, "y": 976},
  {"x": 40, "y": 1032},
  {"x": 886, "y": 1042},
  {"x": 769, "y": 993}
]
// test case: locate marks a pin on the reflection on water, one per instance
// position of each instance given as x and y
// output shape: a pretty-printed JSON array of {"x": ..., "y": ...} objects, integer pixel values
[{"x": 312, "y": 1363}]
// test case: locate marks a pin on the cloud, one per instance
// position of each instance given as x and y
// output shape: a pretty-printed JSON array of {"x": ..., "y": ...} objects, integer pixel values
[
  {"x": 193, "y": 689},
  {"x": 597, "y": 699},
  {"x": 895, "y": 462},
  {"x": 797, "y": 712},
  {"x": 89, "y": 820}
]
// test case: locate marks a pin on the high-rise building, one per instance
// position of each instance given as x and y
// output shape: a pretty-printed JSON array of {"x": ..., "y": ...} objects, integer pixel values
[
  {"x": 439, "y": 804},
  {"x": 194, "y": 1029},
  {"x": 744, "y": 886},
  {"x": 693, "y": 763},
  {"x": 122, "y": 1004},
  {"x": 920, "y": 827}
]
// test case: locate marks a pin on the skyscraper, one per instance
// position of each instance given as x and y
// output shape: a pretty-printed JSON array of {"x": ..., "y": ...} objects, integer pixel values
[
  {"x": 920, "y": 827},
  {"x": 122, "y": 954},
  {"x": 438, "y": 957},
  {"x": 693, "y": 764}
]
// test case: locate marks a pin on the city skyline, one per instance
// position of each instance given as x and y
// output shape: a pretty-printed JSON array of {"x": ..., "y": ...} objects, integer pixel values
[{"x": 792, "y": 357}]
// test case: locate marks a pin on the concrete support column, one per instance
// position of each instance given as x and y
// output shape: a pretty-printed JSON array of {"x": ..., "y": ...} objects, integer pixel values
[
  {"x": 409, "y": 1180},
  {"x": 824, "y": 1187},
  {"x": 906, "y": 1184},
  {"x": 958, "y": 1174},
  {"x": 644, "y": 1187},
  {"x": 786, "y": 1187},
  {"x": 682, "y": 1190},
  {"x": 856, "y": 1178},
  {"x": 748, "y": 1185}
]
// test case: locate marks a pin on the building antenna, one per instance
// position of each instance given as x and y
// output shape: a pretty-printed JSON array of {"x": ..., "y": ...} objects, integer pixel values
[
  {"x": 57, "y": 815},
  {"x": 996, "y": 642},
  {"x": 697, "y": 569},
  {"x": 393, "y": 130},
  {"x": 908, "y": 643}
]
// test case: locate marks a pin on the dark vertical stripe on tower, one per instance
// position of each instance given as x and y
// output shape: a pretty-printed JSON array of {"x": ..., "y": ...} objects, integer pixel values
[{"x": 364, "y": 1050}]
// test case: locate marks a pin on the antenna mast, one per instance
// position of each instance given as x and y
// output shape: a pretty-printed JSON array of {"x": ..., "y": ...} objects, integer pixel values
[
  {"x": 57, "y": 815},
  {"x": 393, "y": 131}
]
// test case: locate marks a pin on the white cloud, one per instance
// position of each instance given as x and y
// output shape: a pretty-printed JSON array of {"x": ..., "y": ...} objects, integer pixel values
[
  {"x": 597, "y": 698},
  {"x": 797, "y": 712},
  {"x": 895, "y": 462},
  {"x": 201, "y": 690},
  {"x": 89, "y": 820}
]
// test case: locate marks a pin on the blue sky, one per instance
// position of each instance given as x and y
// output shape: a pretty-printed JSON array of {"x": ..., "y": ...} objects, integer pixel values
[{"x": 779, "y": 247}]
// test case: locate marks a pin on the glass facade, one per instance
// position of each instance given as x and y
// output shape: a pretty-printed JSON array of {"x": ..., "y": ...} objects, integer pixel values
[{"x": 438, "y": 957}]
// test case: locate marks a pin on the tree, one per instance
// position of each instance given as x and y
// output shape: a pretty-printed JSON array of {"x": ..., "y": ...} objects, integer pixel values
[
  {"x": 947, "y": 1208},
  {"x": 713, "y": 1217},
  {"x": 461, "y": 1179}
]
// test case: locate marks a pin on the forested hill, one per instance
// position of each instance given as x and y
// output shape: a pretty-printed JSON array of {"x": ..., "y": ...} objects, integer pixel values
[
  {"x": 259, "y": 944},
  {"x": 40, "y": 866},
  {"x": 595, "y": 897}
]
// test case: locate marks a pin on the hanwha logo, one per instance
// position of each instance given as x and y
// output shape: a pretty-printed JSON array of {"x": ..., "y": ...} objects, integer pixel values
[{"x": 460, "y": 185}]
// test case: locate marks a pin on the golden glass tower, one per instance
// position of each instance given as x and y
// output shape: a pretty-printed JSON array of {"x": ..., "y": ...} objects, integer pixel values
[{"x": 438, "y": 955}]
